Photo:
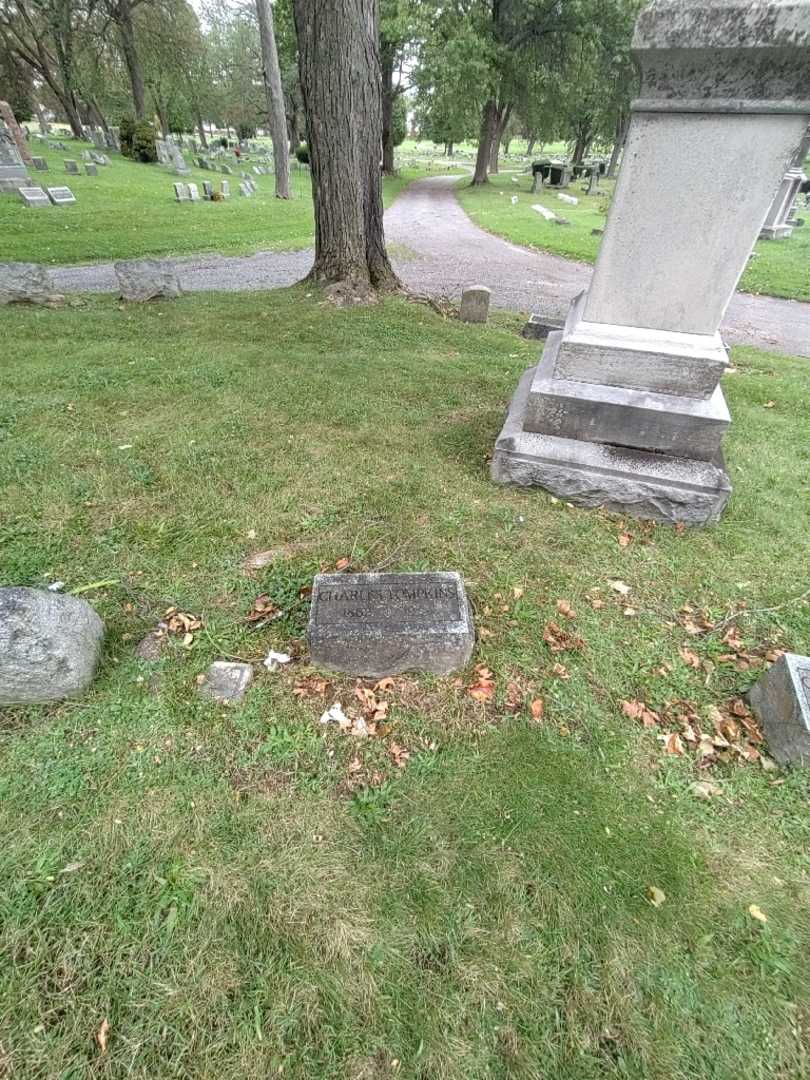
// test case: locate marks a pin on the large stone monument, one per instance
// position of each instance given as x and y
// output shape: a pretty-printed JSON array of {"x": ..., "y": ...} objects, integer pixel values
[
  {"x": 624, "y": 409},
  {"x": 779, "y": 222},
  {"x": 13, "y": 174},
  {"x": 16, "y": 132}
]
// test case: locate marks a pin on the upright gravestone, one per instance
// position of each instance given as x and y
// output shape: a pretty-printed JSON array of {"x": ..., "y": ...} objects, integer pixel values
[
  {"x": 13, "y": 174},
  {"x": 71, "y": 167},
  {"x": 475, "y": 304},
  {"x": 383, "y": 624},
  {"x": 781, "y": 701},
  {"x": 225, "y": 189},
  {"x": 193, "y": 193},
  {"x": 624, "y": 409},
  {"x": 176, "y": 159},
  {"x": 208, "y": 190},
  {"x": 8, "y": 118},
  {"x": 40, "y": 164},
  {"x": 91, "y": 169}
]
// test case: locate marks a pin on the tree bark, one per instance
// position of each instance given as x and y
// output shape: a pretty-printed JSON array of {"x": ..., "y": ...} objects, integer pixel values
[
  {"x": 621, "y": 136},
  {"x": 271, "y": 72},
  {"x": 489, "y": 118},
  {"x": 163, "y": 117},
  {"x": 503, "y": 112},
  {"x": 201, "y": 130},
  {"x": 126, "y": 30},
  {"x": 387, "y": 53},
  {"x": 340, "y": 77},
  {"x": 581, "y": 147},
  {"x": 530, "y": 145}
]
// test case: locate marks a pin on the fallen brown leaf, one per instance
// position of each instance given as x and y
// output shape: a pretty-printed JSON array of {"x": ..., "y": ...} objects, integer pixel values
[
  {"x": 565, "y": 609},
  {"x": 102, "y": 1034},
  {"x": 537, "y": 708},
  {"x": 560, "y": 640}
]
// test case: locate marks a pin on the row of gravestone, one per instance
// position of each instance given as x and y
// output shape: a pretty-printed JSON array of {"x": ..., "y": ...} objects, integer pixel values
[
  {"x": 191, "y": 192},
  {"x": 35, "y": 197}
]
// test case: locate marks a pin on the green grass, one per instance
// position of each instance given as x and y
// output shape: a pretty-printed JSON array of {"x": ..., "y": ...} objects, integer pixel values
[
  {"x": 778, "y": 268},
  {"x": 225, "y": 887},
  {"x": 129, "y": 210}
]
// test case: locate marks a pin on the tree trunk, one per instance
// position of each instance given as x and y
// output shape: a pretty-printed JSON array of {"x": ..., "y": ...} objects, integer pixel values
[
  {"x": 201, "y": 130},
  {"x": 44, "y": 126},
  {"x": 275, "y": 98},
  {"x": 502, "y": 114},
  {"x": 339, "y": 69},
  {"x": 530, "y": 145},
  {"x": 163, "y": 117},
  {"x": 126, "y": 32},
  {"x": 621, "y": 136},
  {"x": 489, "y": 118},
  {"x": 449, "y": 149},
  {"x": 98, "y": 116},
  {"x": 387, "y": 69},
  {"x": 581, "y": 147},
  {"x": 506, "y": 143}
]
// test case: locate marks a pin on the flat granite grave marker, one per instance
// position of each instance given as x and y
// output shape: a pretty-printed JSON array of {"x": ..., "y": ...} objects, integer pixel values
[
  {"x": 781, "y": 701},
  {"x": 383, "y": 624},
  {"x": 34, "y": 196},
  {"x": 40, "y": 164},
  {"x": 91, "y": 169},
  {"x": 61, "y": 196},
  {"x": 71, "y": 167}
]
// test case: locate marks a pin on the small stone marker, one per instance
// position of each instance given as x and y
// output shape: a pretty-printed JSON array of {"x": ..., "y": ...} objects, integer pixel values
[
  {"x": 475, "y": 304},
  {"x": 226, "y": 681},
  {"x": 34, "y": 196},
  {"x": 193, "y": 193},
  {"x": 40, "y": 164},
  {"x": 147, "y": 279},
  {"x": 225, "y": 189},
  {"x": 572, "y": 200},
  {"x": 781, "y": 701},
  {"x": 244, "y": 189},
  {"x": 71, "y": 167},
  {"x": 383, "y": 624},
  {"x": 91, "y": 169},
  {"x": 208, "y": 189},
  {"x": 181, "y": 193},
  {"x": 61, "y": 196},
  {"x": 227, "y": 170},
  {"x": 26, "y": 283},
  {"x": 549, "y": 215},
  {"x": 49, "y": 645}
]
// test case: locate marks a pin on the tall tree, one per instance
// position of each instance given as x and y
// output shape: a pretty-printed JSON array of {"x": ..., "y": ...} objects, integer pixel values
[
  {"x": 271, "y": 72},
  {"x": 122, "y": 13},
  {"x": 339, "y": 68}
]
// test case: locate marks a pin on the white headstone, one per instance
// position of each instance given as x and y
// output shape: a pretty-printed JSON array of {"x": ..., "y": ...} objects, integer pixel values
[
  {"x": 34, "y": 196},
  {"x": 61, "y": 196}
]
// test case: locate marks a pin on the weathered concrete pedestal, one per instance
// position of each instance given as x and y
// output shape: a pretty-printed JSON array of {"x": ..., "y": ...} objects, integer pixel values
[{"x": 624, "y": 409}]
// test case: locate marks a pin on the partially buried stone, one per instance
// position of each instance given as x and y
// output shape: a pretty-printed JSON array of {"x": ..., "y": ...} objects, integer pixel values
[
  {"x": 226, "y": 681},
  {"x": 147, "y": 279},
  {"x": 475, "y": 304},
  {"x": 384, "y": 624},
  {"x": 49, "y": 645},
  {"x": 26, "y": 283},
  {"x": 781, "y": 701}
]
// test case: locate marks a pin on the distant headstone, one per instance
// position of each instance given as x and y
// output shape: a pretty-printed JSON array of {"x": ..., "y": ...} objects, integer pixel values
[
  {"x": 50, "y": 645},
  {"x": 176, "y": 159},
  {"x": 26, "y": 283},
  {"x": 225, "y": 189},
  {"x": 208, "y": 189},
  {"x": 61, "y": 196},
  {"x": 226, "y": 682},
  {"x": 147, "y": 279},
  {"x": 383, "y": 624},
  {"x": 34, "y": 196},
  {"x": 40, "y": 164},
  {"x": 91, "y": 169},
  {"x": 202, "y": 163},
  {"x": 572, "y": 200},
  {"x": 193, "y": 193},
  {"x": 226, "y": 169},
  {"x": 245, "y": 189},
  {"x": 475, "y": 304},
  {"x": 181, "y": 193},
  {"x": 257, "y": 170},
  {"x": 113, "y": 140},
  {"x": 71, "y": 167},
  {"x": 100, "y": 159},
  {"x": 781, "y": 701},
  {"x": 549, "y": 215}
]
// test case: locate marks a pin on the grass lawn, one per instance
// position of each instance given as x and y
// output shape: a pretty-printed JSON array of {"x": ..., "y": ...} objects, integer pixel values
[
  {"x": 129, "y": 210},
  {"x": 244, "y": 893},
  {"x": 779, "y": 267}
]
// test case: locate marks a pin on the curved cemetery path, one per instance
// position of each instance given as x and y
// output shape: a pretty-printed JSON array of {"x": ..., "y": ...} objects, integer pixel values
[{"x": 443, "y": 252}]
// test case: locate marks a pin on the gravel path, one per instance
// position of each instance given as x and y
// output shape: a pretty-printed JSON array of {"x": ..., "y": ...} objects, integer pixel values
[{"x": 441, "y": 251}]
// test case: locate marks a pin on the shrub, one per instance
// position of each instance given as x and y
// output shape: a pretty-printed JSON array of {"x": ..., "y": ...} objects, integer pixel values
[
  {"x": 126, "y": 131},
  {"x": 302, "y": 153},
  {"x": 245, "y": 132},
  {"x": 143, "y": 142}
]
